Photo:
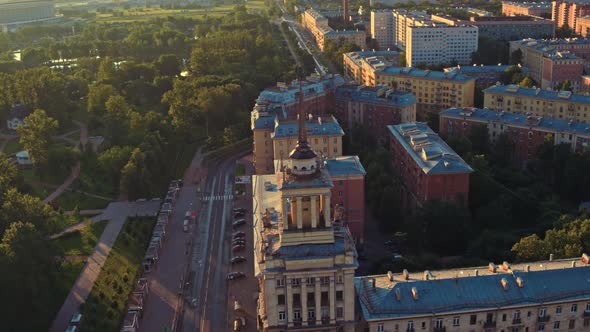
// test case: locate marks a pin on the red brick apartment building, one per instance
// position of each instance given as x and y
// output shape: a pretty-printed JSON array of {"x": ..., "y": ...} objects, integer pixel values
[
  {"x": 348, "y": 193},
  {"x": 428, "y": 168},
  {"x": 527, "y": 132},
  {"x": 510, "y": 8},
  {"x": 567, "y": 12}
]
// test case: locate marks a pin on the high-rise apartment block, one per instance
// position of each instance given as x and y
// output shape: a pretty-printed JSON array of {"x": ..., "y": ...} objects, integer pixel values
[
  {"x": 538, "y": 102},
  {"x": 552, "y": 61},
  {"x": 527, "y": 132},
  {"x": 426, "y": 39},
  {"x": 434, "y": 90},
  {"x": 510, "y": 8},
  {"x": 304, "y": 258},
  {"x": 317, "y": 25},
  {"x": 373, "y": 107},
  {"x": 567, "y": 13},
  {"x": 427, "y": 167},
  {"x": 537, "y": 296},
  {"x": 508, "y": 28}
]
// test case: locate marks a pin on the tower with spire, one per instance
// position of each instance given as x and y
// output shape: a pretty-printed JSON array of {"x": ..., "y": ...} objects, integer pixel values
[{"x": 304, "y": 262}]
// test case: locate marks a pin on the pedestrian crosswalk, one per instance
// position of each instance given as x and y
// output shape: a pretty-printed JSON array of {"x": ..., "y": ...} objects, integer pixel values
[{"x": 217, "y": 198}]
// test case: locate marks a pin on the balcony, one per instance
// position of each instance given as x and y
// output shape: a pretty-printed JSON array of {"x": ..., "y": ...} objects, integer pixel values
[
  {"x": 490, "y": 324},
  {"x": 516, "y": 321},
  {"x": 586, "y": 313},
  {"x": 542, "y": 319},
  {"x": 325, "y": 320},
  {"x": 440, "y": 329},
  {"x": 410, "y": 330}
]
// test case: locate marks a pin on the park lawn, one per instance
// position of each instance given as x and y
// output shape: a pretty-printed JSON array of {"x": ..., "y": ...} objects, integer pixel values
[
  {"x": 106, "y": 304},
  {"x": 73, "y": 244},
  {"x": 12, "y": 147},
  {"x": 69, "y": 200}
]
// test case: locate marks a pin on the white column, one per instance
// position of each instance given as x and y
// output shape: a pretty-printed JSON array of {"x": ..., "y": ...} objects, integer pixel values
[
  {"x": 285, "y": 214},
  {"x": 318, "y": 302},
  {"x": 348, "y": 280},
  {"x": 326, "y": 206},
  {"x": 314, "y": 212},
  {"x": 299, "y": 213},
  {"x": 289, "y": 302},
  {"x": 303, "y": 297},
  {"x": 332, "y": 300}
]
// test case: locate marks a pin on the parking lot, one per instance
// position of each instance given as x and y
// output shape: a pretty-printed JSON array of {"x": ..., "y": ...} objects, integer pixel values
[{"x": 245, "y": 291}]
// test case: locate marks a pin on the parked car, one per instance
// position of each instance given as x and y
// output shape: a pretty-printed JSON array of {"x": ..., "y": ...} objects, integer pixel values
[
  {"x": 239, "y": 214},
  {"x": 166, "y": 208},
  {"x": 239, "y": 236},
  {"x": 238, "y": 259},
  {"x": 238, "y": 247},
  {"x": 185, "y": 225},
  {"x": 238, "y": 222},
  {"x": 240, "y": 210},
  {"x": 76, "y": 318},
  {"x": 238, "y": 242},
  {"x": 235, "y": 275}
]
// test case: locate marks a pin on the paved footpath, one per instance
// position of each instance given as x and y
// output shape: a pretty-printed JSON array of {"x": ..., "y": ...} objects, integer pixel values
[{"x": 116, "y": 213}]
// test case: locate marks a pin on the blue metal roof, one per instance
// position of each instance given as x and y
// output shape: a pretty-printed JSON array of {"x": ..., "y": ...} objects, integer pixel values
[
  {"x": 288, "y": 94},
  {"x": 467, "y": 293},
  {"x": 265, "y": 122},
  {"x": 347, "y": 165},
  {"x": 320, "y": 126},
  {"x": 550, "y": 125},
  {"x": 371, "y": 94},
  {"x": 419, "y": 73},
  {"x": 483, "y": 69},
  {"x": 516, "y": 90},
  {"x": 428, "y": 150}
]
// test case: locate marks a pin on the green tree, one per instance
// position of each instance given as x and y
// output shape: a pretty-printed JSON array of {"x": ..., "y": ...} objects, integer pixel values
[
  {"x": 116, "y": 119},
  {"x": 35, "y": 136},
  {"x": 135, "y": 176},
  {"x": 501, "y": 153},
  {"x": 228, "y": 136},
  {"x": 34, "y": 56},
  {"x": 98, "y": 96},
  {"x": 168, "y": 65},
  {"x": 18, "y": 206},
  {"x": 113, "y": 160},
  {"x": 527, "y": 82},
  {"x": 107, "y": 73},
  {"x": 8, "y": 173},
  {"x": 564, "y": 86},
  {"x": 480, "y": 139}
]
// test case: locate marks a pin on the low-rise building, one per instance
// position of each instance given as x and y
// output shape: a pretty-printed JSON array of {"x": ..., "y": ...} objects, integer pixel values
[
  {"x": 560, "y": 67},
  {"x": 526, "y": 132},
  {"x": 317, "y": 25},
  {"x": 373, "y": 107},
  {"x": 353, "y": 62},
  {"x": 538, "y": 102},
  {"x": 507, "y": 28},
  {"x": 484, "y": 75},
  {"x": 584, "y": 26},
  {"x": 537, "y": 296},
  {"x": 510, "y": 8},
  {"x": 434, "y": 90},
  {"x": 427, "y": 167},
  {"x": 17, "y": 116}
]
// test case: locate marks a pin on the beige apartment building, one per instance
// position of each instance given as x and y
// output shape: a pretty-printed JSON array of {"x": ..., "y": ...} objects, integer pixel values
[
  {"x": 317, "y": 25},
  {"x": 304, "y": 261},
  {"x": 434, "y": 90},
  {"x": 531, "y": 297},
  {"x": 538, "y": 102},
  {"x": 275, "y": 138}
]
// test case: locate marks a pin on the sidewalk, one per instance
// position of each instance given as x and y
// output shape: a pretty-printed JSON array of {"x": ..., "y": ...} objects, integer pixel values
[{"x": 116, "y": 213}]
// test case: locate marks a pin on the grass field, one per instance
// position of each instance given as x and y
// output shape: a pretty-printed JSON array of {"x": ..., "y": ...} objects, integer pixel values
[
  {"x": 76, "y": 244},
  {"x": 142, "y": 14},
  {"x": 106, "y": 303},
  {"x": 13, "y": 146}
]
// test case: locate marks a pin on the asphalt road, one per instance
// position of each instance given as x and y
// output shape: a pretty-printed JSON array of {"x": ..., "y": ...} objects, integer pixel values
[{"x": 211, "y": 253}]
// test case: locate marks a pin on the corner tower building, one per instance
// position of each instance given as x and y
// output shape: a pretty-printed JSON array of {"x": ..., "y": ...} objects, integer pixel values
[{"x": 304, "y": 260}]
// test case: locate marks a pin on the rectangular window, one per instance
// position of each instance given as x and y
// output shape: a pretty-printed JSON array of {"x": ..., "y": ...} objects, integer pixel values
[
  {"x": 574, "y": 307},
  {"x": 558, "y": 310},
  {"x": 324, "y": 280},
  {"x": 280, "y": 282},
  {"x": 588, "y": 307},
  {"x": 295, "y": 282},
  {"x": 439, "y": 323},
  {"x": 572, "y": 324},
  {"x": 541, "y": 328},
  {"x": 455, "y": 321},
  {"x": 339, "y": 296},
  {"x": 380, "y": 328},
  {"x": 282, "y": 316},
  {"x": 410, "y": 325},
  {"x": 339, "y": 312},
  {"x": 472, "y": 319},
  {"x": 542, "y": 312},
  {"x": 311, "y": 314},
  {"x": 281, "y": 300},
  {"x": 310, "y": 281},
  {"x": 556, "y": 325},
  {"x": 296, "y": 315}
]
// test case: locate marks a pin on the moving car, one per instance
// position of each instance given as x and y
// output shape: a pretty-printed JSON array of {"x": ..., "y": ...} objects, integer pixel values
[
  {"x": 235, "y": 275},
  {"x": 238, "y": 259},
  {"x": 239, "y": 214},
  {"x": 240, "y": 210}
]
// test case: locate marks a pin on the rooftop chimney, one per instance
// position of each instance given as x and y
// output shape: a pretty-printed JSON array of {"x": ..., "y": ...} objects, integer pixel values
[
  {"x": 574, "y": 264},
  {"x": 492, "y": 267},
  {"x": 551, "y": 257},
  {"x": 405, "y": 274},
  {"x": 527, "y": 268},
  {"x": 426, "y": 275},
  {"x": 373, "y": 280},
  {"x": 398, "y": 294},
  {"x": 505, "y": 266},
  {"x": 390, "y": 275},
  {"x": 520, "y": 282},
  {"x": 476, "y": 273},
  {"x": 415, "y": 293},
  {"x": 585, "y": 259},
  {"x": 504, "y": 283}
]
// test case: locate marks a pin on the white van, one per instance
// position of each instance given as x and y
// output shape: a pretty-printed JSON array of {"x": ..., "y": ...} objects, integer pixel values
[{"x": 185, "y": 225}]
